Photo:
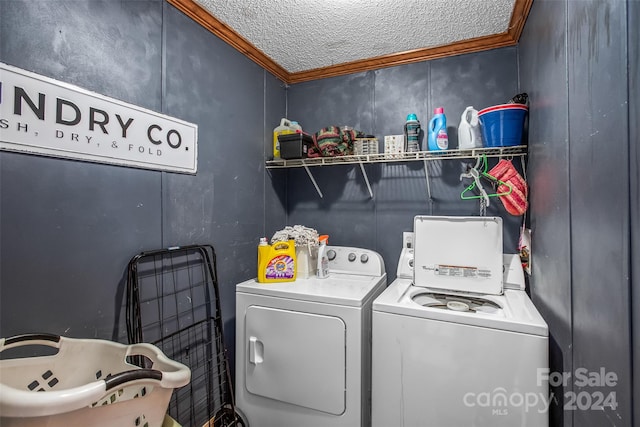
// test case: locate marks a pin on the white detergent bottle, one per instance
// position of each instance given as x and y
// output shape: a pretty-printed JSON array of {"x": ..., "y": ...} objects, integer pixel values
[
  {"x": 323, "y": 260},
  {"x": 469, "y": 135}
]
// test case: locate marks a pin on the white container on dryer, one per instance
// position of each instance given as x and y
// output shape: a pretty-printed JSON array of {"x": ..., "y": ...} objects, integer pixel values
[
  {"x": 452, "y": 358},
  {"x": 303, "y": 348}
]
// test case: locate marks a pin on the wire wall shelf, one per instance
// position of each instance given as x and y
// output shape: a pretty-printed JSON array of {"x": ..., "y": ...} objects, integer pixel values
[
  {"x": 423, "y": 156},
  {"x": 514, "y": 151}
]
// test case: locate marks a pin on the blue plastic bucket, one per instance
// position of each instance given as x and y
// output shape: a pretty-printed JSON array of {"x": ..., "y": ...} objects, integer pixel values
[{"x": 502, "y": 124}]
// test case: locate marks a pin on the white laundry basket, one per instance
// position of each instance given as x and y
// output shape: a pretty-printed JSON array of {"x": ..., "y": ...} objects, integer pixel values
[{"x": 86, "y": 383}]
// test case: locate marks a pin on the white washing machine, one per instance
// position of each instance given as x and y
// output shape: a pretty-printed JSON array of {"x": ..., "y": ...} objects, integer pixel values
[
  {"x": 303, "y": 348},
  {"x": 456, "y": 340}
]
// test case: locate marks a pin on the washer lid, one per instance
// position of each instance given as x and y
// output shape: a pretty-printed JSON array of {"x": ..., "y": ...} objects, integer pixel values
[
  {"x": 458, "y": 253},
  {"x": 343, "y": 289}
]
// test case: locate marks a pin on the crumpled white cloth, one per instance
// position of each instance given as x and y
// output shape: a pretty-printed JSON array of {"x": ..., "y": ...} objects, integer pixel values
[{"x": 303, "y": 236}]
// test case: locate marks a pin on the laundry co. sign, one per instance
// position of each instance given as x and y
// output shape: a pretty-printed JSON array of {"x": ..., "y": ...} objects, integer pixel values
[{"x": 43, "y": 116}]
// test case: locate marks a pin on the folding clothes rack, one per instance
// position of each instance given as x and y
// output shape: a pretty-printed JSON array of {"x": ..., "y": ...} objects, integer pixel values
[{"x": 173, "y": 302}]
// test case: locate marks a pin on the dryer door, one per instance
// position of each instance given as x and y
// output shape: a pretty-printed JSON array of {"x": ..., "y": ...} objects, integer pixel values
[{"x": 296, "y": 358}]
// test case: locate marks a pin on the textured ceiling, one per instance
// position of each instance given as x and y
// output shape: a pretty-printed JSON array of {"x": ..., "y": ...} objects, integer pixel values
[{"x": 302, "y": 35}]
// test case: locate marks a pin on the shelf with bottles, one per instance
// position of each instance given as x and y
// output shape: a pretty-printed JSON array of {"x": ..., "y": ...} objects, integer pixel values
[
  {"x": 514, "y": 151},
  {"x": 424, "y": 156}
]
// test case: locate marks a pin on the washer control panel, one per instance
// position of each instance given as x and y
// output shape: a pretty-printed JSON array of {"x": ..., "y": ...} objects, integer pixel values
[
  {"x": 405, "y": 263},
  {"x": 349, "y": 260}
]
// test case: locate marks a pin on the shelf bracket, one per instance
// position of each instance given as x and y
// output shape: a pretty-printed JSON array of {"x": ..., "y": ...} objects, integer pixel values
[
  {"x": 366, "y": 179},
  {"x": 426, "y": 176},
  {"x": 315, "y": 184}
]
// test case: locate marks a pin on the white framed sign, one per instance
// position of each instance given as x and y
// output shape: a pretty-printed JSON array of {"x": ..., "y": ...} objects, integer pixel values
[{"x": 43, "y": 116}]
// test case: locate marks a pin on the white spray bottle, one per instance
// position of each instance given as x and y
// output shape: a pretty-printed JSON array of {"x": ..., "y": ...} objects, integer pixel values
[{"x": 323, "y": 260}]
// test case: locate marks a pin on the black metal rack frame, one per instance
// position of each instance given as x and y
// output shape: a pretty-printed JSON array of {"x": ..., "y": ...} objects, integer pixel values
[{"x": 173, "y": 302}]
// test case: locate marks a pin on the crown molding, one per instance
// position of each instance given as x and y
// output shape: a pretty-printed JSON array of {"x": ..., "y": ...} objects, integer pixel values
[{"x": 508, "y": 38}]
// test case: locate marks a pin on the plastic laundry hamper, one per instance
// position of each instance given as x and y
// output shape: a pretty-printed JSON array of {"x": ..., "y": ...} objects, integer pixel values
[{"x": 87, "y": 382}]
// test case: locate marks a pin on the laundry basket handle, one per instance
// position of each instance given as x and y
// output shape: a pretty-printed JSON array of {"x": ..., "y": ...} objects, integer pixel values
[
  {"x": 173, "y": 374},
  {"x": 133, "y": 375},
  {"x": 50, "y": 340}
]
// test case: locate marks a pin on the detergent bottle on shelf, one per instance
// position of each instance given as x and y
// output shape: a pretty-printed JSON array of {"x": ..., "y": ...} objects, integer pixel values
[
  {"x": 323, "y": 259},
  {"x": 286, "y": 126},
  {"x": 277, "y": 262},
  {"x": 438, "y": 138},
  {"x": 412, "y": 134},
  {"x": 469, "y": 134}
]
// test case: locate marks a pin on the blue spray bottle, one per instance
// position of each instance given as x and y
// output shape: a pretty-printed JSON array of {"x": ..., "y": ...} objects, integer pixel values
[{"x": 438, "y": 138}]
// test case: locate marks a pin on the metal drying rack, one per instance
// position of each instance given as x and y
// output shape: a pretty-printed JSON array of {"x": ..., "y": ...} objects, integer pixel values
[{"x": 173, "y": 302}]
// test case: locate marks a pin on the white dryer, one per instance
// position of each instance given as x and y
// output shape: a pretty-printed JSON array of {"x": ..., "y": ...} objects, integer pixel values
[
  {"x": 303, "y": 348},
  {"x": 458, "y": 343}
]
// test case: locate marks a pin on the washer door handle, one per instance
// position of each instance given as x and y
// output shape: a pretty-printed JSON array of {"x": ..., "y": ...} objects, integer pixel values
[{"x": 256, "y": 351}]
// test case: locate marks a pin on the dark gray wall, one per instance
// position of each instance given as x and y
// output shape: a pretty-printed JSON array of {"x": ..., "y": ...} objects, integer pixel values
[
  {"x": 633, "y": 27},
  {"x": 544, "y": 44},
  {"x": 68, "y": 228},
  {"x": 598, "y": 146},
  {"x": 377, "y": 102},
  {"x": 573, "y": 61}
]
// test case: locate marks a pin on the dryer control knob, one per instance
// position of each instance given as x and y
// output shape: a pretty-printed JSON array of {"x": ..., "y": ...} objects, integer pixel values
[
  {"x": 331, "y": 254},
  {"x": 364, "y": 258},
  {"x": 352, "y": 257}
]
